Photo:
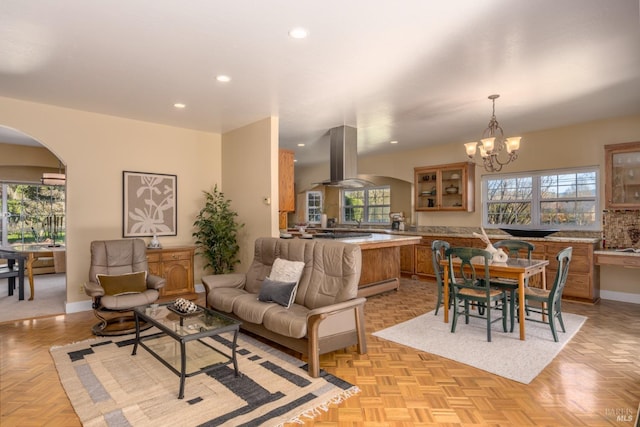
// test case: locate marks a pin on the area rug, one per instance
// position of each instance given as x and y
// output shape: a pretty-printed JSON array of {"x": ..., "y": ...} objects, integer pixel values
[
  {"x": 108, "y": 386},
  {"x": 49, "y": 300},
  {"x": 506, "y": 355}
]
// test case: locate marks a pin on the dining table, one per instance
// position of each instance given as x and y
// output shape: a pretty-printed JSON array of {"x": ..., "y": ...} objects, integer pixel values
[
  {"x": 32, "y": 252},
  {"x": 514, "y": 268}
]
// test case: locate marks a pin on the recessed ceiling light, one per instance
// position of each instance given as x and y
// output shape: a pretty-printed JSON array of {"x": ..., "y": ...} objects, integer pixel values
[
  {"x": 223, "y": 78},
  {"x": 393, "y": 142},
  {"x": 301, "y": 145},
  {"x": 298, "y": 33},
  {"x": 179, "y": 105}
]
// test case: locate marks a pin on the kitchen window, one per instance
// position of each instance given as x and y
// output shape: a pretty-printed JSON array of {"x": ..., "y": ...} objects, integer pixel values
[
  {"x": 314, "y": 207},
  {"x": 564, "y": 199},
  {"x": 370, "y": 205}
]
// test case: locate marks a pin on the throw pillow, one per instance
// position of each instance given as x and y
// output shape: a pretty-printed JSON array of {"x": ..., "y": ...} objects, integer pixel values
[
  {"x": 282, "y": 293},
  {"x": 123, "y": 283},
  {"x": 284, "y": 270}
]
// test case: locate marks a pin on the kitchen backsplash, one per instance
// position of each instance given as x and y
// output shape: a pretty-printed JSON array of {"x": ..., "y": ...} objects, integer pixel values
[{"x": 620, "y": 228}]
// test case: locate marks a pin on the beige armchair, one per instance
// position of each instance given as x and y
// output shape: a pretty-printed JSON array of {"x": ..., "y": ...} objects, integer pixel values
[{"x": 119, "y": 280}]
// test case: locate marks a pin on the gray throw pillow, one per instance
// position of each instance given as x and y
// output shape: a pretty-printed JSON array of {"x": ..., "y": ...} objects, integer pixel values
[{"x": 282, "y": 293}]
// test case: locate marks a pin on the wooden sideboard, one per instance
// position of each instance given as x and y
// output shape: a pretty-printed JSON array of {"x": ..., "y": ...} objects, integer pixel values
[
  {"x": 175, "y": 264},
  {"x": 583, "y": 283}
]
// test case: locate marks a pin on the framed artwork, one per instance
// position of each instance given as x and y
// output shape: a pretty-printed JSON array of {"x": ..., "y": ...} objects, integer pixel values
[{"x": 149, "y": 204}]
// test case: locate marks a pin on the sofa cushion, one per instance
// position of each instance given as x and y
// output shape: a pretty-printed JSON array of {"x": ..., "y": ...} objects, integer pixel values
[
  {"x": 290, "y": 322},
  {"x": 248, "y": 308},
  {"x": 222, "y": 299},
  {"x": 123, "y": 283},
  {"x": 282, "y": 293}
]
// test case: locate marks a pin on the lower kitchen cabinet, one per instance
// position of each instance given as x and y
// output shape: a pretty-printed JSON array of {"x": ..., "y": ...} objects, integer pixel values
[
  {"x": 175, "y": 264},
  {"x": 407, "y": 259}
]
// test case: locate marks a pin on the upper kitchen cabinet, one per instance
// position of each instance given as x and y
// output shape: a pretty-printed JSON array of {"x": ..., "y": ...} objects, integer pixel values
[
  {"x": 286, "y": 193},
  {"x": 622, "y": 176},
  {"x": 445, "y": 187}
]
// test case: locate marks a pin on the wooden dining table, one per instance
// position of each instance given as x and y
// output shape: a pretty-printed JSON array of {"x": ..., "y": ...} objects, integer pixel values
[
  {"x": 516, "y": 268},
  {"x": 32, "y": 253}
]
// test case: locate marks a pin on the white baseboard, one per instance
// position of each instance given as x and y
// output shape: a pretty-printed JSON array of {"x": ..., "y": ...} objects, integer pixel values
[
  {"x": 620, "y": 296},
  {"x": 76, "y": 307}
]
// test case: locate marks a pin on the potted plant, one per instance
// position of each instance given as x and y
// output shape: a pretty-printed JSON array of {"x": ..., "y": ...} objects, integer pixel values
[{"x": 216, "y": 232}]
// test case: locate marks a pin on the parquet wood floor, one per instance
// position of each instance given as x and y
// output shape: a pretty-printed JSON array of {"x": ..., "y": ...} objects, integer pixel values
[{"x": 594, "y": 381}]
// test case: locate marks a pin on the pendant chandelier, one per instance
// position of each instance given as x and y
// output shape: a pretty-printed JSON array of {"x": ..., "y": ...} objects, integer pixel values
[{"x": 493, "y": 144}]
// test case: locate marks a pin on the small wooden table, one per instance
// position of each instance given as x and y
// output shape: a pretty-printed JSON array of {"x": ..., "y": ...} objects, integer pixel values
[
  {"x": 33, "y": 252},
  {"x": 518, "y": 269}
]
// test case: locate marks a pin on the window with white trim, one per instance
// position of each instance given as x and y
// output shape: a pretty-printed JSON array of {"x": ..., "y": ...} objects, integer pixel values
[
  {"x": 314, "y": 207},
  {"x": 565, "y": 199},
  {"x": 370, "y": 205}
]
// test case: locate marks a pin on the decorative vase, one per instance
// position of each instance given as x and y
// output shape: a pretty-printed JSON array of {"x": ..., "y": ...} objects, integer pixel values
[
  {"x": 155, "y": 243},
  {"x": 323, "y": 221}
]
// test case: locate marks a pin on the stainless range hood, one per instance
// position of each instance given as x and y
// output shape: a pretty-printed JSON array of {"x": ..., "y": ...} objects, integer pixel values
[{"x": 343, "y": 159}]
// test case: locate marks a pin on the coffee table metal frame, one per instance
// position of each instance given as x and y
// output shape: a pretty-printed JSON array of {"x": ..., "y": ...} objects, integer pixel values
[{"x": 142, "y": 314}]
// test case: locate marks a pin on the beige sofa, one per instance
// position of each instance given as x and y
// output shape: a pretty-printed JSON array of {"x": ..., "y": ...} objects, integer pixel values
[{"x": 326, "y": 314}]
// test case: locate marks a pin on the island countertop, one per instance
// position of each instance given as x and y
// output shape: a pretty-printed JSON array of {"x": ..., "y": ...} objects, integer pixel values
[
  {"x": 444, "y": 234},
  {"x": 379, "y": 240}
]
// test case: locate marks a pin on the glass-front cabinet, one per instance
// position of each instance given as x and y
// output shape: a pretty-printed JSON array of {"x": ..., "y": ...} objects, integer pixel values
[
  {"x": 622, "y": 176},
  {"x": 445, "y": 187}
]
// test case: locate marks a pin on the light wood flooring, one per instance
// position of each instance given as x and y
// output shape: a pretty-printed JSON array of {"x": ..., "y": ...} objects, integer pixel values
[{"x": 594, "y": 380}]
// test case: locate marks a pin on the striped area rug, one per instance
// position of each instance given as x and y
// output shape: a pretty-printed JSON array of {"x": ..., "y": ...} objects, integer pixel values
[{"x": 108, "y": 386}]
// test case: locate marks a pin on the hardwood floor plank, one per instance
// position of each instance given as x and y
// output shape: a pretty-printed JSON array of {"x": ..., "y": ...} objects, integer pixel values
[{"x": 596, "y": 376}]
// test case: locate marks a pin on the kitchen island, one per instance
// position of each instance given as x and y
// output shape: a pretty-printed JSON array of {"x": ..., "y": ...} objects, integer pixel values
[{"x": 380, "y": 261}]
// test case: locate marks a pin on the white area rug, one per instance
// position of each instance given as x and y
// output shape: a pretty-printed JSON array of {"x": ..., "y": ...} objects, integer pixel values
[
  {"x": 50, "y": 296},
  {"x": 505, "y": 355}
]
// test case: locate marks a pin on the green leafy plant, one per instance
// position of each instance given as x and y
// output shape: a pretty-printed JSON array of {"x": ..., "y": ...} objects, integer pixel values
[{"x": 216, "y": 233}]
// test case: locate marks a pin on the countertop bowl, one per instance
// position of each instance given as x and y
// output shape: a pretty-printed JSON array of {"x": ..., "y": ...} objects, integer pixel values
[{"x": 521, "y": 232}]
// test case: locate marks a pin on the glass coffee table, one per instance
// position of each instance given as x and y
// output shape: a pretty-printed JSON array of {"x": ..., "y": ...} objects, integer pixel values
[{"x": 180, "y": 344}]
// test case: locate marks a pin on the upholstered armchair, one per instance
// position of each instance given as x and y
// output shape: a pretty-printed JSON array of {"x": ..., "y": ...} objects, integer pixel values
[{"x": 119, "y": 280}]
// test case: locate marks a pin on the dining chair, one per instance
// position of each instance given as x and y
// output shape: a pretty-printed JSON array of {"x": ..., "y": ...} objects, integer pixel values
[
  {"x": 515, "y": 249},
  {"x": 550, "y": 300},
  {"x": 438, "y": 248},
  {"x": 470, "y": 285}
]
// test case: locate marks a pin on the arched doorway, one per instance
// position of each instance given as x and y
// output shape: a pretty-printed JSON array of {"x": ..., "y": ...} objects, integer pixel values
[{"x": 33, "y": 213}]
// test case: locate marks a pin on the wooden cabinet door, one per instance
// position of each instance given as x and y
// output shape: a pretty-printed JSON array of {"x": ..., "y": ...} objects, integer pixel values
[
  {"x": 424, "y": 261},
  {"x": 178, "y": 275},
  {"x": 287, "y": 197},
  {"x": 175, "y": 265},
  {"x": 407, "y": 257},
  {"x": 448, "y": 187},
  {"x": 622, "y": 176}
]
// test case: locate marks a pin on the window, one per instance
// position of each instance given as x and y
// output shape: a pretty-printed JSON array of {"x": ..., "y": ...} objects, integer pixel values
[
  {"x": 565, "y": 199},
  {"x": 314, "y": 207},
  {"x": 32, "y": 213},
  {"x": 367, "y": 205}
]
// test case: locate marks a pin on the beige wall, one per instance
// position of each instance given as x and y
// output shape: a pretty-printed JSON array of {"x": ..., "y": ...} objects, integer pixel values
[
  {"x": 96, "y": 149},
  {"x": 19, "y": 163},
  {"x": 571, "y": 146},
  {"x": 250, "y": 175}
]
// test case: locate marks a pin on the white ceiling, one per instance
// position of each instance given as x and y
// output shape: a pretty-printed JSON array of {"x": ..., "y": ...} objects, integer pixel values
[{"x": 416, "y": 71}]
